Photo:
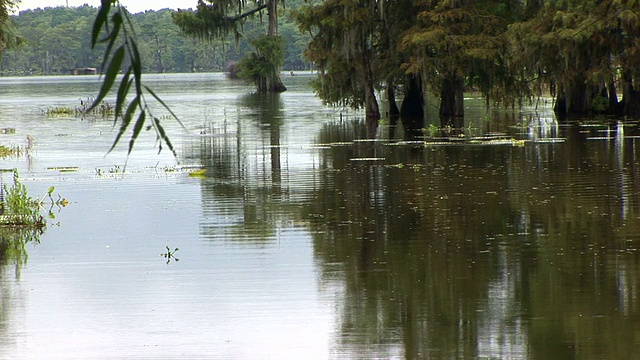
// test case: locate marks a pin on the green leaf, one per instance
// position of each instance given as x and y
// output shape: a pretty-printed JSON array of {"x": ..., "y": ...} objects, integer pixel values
[
  {"x": 112, "y": 37},
  {"x": 51, "y": 190},
  {"x": 101, "y": 19},
  {"x": 126, "y": 120},
  {"x": 136, "y": 130},
  {"x": 163, "y": 104},
  {"x": 137, "y": 65},
  {"x": 110, "y": 76},
  {"x": 163, "y": 135},
  {"x": 123, "y": 90}
]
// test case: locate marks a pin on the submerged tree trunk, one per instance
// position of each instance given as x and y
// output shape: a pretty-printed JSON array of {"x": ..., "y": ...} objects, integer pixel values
[
  {"x": 412, "y": 109},
  {"x": 372, "y": 110},
  {"x": 394, "y": 112},
  {"x": 630, "y": 96},
  {"x": 560, "y": 106},
  {"x": 613, "y": 98},
  {"x": 274, "y": 83},
  {"x": 579, "y": 99},
  {"x": 451, "y": 98},
  {"x": 572, "y": 101},
  {"x": 412, "y": 104}
]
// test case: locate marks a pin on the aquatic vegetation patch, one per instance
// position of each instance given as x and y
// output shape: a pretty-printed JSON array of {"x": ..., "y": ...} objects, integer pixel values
[
  {"x": 60, "y": 111},
  {"x": 63, "y": 169},
  {"x": 7, "y": 151},
  {"x": 104, "y": 109},
  {"x": 18, "y": 209}
]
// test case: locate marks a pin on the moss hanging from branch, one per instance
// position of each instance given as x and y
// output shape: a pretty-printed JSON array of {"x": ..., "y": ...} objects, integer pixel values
[
  {"x": 262, "y": 67},
  {"x": 215, "y": 20}
]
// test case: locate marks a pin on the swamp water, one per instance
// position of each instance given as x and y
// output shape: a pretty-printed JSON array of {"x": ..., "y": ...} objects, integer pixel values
[{"x": 303, "y": 240}]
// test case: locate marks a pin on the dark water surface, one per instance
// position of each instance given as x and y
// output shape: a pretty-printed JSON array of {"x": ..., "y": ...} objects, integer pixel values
[{"x": 304, "y": 240}]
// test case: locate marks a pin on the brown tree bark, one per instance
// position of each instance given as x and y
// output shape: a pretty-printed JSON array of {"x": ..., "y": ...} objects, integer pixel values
[
  {"x": 274, "y": 83},
  {"x": 451, "y": 98}
]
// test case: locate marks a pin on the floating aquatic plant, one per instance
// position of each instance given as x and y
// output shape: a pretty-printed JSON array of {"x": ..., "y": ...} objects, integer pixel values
[{"x": 170, "y": 254}]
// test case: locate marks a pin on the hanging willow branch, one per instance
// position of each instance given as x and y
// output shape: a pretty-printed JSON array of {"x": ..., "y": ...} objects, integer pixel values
[{"x": 113, "y": 21}]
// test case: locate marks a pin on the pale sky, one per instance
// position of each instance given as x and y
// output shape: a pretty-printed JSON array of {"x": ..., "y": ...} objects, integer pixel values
[{"x": 133, "y": 6}]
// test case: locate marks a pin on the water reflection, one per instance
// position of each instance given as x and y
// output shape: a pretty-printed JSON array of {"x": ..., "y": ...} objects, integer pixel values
[
  {"x": 446, "y": 251},
  {"x": 307, "y": 238},
  {"x": 480, "y": 251},
  {"x": 13, "y": 245},
  {"x": 245, "y": 168}
]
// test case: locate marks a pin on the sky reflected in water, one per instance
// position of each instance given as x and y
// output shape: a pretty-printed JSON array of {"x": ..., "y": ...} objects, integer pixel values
[{"x": 305, "y": 240}]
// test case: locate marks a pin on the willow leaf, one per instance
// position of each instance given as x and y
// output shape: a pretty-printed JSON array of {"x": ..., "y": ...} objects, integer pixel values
[
  {"x": 136, "y": 63},
  {"x": 110, "y": 76},
  {"x": 163, "y": 104},
  {"x": 112, "y": 37},
  {"x": 163, "y": 136},
  {"x": 101, "y": 19},
  {"x": 136, "y": 130},
  {"x": 126, "y": 120},
  {"x": 123, "y": 90}
]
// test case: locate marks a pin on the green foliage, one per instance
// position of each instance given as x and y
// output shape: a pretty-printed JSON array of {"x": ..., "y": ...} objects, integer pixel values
[
  {"x": 56, "y": 41},
  {"x": 60, "y": 111},
  {"x": 105, "y": 109},
  {"x": 213, "y": 21},
  {"x": 453, "y": 40},
  {"x": 18, "y": 208},
  {"x": 599, "y": 104},
  {"x": 262, "y": 66},
  {"x": 20, "y": 220},
  {"x": 348, "y": 47},
  {"x": 8, "y": 37},
  {"x": 217, "y": 19},
  {"x": 113, "y": 21}
]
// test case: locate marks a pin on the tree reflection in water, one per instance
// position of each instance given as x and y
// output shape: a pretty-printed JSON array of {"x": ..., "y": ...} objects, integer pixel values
[{"x": 447, "y": 250}]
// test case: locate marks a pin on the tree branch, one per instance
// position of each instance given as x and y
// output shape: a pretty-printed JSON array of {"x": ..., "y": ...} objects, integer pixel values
[{"x": 248, "y": 13}]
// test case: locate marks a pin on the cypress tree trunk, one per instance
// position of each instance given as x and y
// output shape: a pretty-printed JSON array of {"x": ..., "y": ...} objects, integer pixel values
[
  {"x": 412, "y": 109},
  {"x": 394, "y": 112},
  {"x": 613, "y": 98},
  {"x": 451, "y": 98},
  {"x": 579, "y": 99},
  {"x": 630, "y": 96},
  {"x": 573, "y": 101},
  {"x": 372, "y": 110},
  {"x": 560, "y": 107},
  {"x": 274, "y": 83}
]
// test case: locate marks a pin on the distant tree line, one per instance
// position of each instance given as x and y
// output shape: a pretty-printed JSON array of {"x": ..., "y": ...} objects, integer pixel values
[{"x": 57, "y": 40}]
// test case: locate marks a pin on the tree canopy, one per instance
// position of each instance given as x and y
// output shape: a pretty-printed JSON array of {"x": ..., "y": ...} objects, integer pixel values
[
  {"x": 582, "y": 53},
  {"x": 55, "y": 40},
  {"x": 216, "y": 19}
]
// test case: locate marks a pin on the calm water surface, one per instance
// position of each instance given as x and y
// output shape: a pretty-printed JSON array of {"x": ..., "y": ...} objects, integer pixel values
[{"x": 305, "y": 240}]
